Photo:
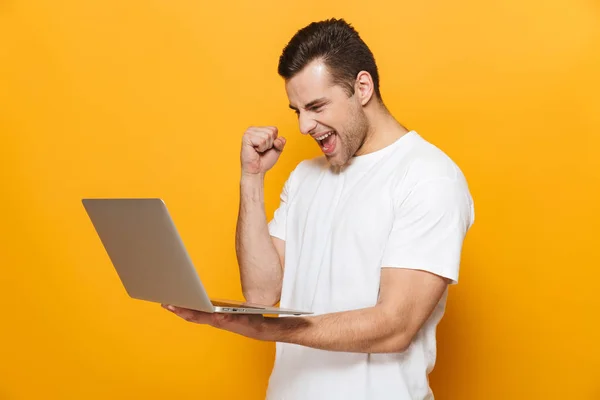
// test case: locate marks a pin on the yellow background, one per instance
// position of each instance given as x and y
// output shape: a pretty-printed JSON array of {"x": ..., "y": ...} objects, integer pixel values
[{"x": 150, "y": 98}]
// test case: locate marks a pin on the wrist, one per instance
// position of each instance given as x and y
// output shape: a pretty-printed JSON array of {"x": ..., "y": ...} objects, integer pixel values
[
  {"x": 283, "y": 329},
  {"x": 268, "y": 330},
  {"x": 252, "y": 177}
]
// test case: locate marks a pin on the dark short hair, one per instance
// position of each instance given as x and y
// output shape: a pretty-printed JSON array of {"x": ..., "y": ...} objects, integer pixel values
[{"x": 338, "y": 45}]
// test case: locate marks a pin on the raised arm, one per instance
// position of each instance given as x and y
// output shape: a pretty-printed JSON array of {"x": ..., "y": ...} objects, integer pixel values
[{"x": 260, "y": 257}]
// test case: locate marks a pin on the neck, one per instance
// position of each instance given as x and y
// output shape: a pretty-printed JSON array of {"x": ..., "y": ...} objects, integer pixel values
[{"x": 384, "y": 129}]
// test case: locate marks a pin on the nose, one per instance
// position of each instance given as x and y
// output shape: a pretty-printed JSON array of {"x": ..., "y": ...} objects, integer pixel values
[{"x": 307, "y": 124}]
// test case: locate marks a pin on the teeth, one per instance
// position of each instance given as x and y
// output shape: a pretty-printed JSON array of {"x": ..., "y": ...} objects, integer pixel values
[{"x": 324, "y": 136}]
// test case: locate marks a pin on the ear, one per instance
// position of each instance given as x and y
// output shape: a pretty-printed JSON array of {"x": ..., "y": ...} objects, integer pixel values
[{"x": 363, "y": 87}]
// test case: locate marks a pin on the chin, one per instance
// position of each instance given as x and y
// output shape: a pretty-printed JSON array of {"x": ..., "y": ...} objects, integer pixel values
[{"x": 337, "y": 161}]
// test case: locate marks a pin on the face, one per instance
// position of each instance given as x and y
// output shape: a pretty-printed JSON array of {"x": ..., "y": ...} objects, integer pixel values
[{"x": 336, "y": 121}]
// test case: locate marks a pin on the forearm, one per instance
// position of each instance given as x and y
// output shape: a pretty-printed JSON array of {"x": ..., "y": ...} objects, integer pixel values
[
  {"x": 260, "y": 268},
  {"x": 368, "y": 330}
]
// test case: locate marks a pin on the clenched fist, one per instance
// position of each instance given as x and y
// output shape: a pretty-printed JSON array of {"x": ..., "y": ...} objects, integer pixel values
[{"x": 261, "y": 148}]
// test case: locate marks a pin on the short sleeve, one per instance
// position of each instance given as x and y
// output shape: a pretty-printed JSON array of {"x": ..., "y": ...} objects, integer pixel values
[
  {"x": 277, "y": 225},
  {"x": 429, "y": 228}
]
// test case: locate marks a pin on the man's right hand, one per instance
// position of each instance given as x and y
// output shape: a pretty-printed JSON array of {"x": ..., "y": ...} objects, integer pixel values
[{"x": 261, "y": 148}]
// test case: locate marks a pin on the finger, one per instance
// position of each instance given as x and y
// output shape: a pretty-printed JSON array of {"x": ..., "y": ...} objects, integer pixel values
[
  {"x": 198, "y": 317},
  {"x": 279, "y": 143},
  {"x": 268, "y": 136},
  {"x": 269, "y": 132},
  {"x": 273, "y": 133},
  {"x": 260, "y": 141},
  {"x": 219, "y": 319},
  {"x": 257, "y": 141}
]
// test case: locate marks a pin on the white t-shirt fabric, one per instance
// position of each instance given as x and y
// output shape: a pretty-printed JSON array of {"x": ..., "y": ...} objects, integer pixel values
[{"x": 405, "y": 206}]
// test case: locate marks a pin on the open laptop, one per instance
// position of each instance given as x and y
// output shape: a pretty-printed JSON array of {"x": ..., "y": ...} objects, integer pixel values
[{"x": 151, "y": 260}]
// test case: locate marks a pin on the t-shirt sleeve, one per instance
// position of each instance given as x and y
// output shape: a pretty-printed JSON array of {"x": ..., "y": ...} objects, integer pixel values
[
  {"x": 429, "y": 228},
  {"x": 277, "y": 225}
]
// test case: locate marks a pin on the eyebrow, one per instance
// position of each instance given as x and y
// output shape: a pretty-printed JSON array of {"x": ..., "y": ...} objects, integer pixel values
[{"x": 312, "y": 103}]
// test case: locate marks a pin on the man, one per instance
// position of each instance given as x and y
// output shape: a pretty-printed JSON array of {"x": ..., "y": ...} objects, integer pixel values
[{"x": 367, "y": 236}]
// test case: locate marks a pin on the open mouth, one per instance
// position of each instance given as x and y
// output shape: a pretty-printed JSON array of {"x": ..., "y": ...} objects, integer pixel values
[{"x": 327, "y": 141}]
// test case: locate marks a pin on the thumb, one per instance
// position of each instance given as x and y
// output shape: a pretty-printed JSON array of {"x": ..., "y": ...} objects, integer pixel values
[{"x": 279, "y": 143}]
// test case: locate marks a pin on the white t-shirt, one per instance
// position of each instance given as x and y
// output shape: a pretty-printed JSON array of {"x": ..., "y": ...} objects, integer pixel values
[{"x": 405, "y": 206}]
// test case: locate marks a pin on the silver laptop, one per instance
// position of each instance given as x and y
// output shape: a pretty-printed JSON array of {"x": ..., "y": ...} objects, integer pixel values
[{"x": 151, "y": 260}]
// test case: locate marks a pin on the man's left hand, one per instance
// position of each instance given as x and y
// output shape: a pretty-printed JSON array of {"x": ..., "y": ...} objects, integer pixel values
[{"x": 252, "y": 326}]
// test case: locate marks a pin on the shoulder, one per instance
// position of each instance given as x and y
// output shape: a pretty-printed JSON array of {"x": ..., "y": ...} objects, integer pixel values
[
  {"x": 427, "y": 175},
  {"x": 425, "y": 162}
]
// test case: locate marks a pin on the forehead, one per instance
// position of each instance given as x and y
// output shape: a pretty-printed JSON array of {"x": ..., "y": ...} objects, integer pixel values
[{"x": 313, "y": 81}]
